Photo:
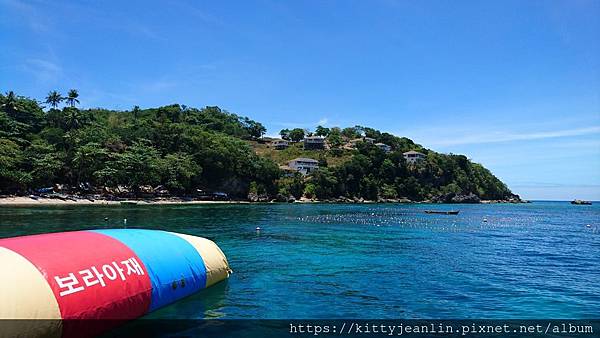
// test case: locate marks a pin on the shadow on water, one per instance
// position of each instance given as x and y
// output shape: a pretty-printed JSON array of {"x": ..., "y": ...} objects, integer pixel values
[{"x": 189, "y": 313}]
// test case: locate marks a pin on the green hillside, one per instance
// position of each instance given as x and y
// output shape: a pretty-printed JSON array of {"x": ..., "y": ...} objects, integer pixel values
[{"x": 184, "y": 149}]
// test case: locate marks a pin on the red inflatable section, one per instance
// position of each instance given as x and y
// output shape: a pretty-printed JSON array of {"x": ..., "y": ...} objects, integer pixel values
[{"x": 92, "y": 276}]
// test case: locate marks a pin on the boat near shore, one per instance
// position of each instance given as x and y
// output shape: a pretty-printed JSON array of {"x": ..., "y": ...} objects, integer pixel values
[{"x": 441, "y": 212}]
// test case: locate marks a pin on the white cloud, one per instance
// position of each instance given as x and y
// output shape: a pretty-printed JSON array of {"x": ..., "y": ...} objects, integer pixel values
[
  {"x": 158, "y": 85},
  {"x": 28, "y": 14},
  {"x": 501, "y": 136},
  {"x": 534, "y": 184},
  {"x": 44, "y": 71},
  {"x": 306, "y": 125}
]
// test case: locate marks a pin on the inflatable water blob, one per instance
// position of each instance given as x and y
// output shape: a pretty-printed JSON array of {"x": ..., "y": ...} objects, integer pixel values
[{"x": 59, "y": 281}]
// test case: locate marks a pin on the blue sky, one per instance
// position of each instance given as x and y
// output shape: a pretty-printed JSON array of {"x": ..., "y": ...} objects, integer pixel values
[{"x": 514, "y": 85}]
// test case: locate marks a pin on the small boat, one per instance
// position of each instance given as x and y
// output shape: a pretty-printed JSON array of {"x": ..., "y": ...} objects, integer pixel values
[
  {"x": 581, "y": 202},
  {"x": 452, "y": 212},
  {"x": 129, "y": 202}
]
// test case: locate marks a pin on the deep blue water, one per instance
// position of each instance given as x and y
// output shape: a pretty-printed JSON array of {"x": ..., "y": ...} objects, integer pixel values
[{"x": 538, "y": 260}]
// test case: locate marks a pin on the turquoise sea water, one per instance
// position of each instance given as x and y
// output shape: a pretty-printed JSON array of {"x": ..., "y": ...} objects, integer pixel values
[{"x": 538, "y": 260}]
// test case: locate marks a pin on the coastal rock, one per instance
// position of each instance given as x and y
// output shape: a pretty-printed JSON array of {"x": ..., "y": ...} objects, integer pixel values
[
  {"x": 470, "y": 198},
  {"x": 284, "y": 199},
  {"x": 253, "y": 197},
  {"x": 456, "y": 198},
  {"x": 281, "y": 198},
  {"x": 514, "y": 198}
]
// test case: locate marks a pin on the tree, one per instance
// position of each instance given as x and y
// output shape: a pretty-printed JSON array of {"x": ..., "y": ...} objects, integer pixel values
[
  {"x": 139, "y": 165},
  {"x": 388, "y": 191},
  {"x": 310, "y": 190},
  {"x": 135, "y": 112},
  {"x": 10, "y": 104},
  {"x": 25, "y": 113},
  {"x": 411, "y": 188},
  {"x": 285, "y": 134},
  {"x": 178, "y": 171},
  {"x": 291, "y": 186},
  {"x": 54, "y": 98},
  {"x": 88, "y": 159},
  {"x": 72, "y": 97},
  {"x": 75, "y": 119},
  {"x": 372, "y": 133},
  {"x": 351, "y": 132},
  {"x": 388, "y": 170},
  {"x": 334, "y": 137},
  {"x": 109, "y": 174},
  {"x": 322, "y": 131},
  {"x": 296, "y": 134},
  {"x": 326, "y": 183},
  {"x": 45, "y": 164},
  {"x": 12, "y": 178},
  {"x": 369, "y": 187},
  {"x": 255, "y": 129}
]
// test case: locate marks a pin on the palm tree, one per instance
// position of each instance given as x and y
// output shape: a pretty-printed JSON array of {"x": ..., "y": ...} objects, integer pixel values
[
  {"x": 10, "y": 103},
  {"x": 72, "y": 97},
  {"x": 136, "y": 112},
  {"x": 74, "y": 118},
  {"x": 54, "y": 98}
]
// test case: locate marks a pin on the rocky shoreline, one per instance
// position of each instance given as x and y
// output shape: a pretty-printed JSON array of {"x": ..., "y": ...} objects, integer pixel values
[
  {"x": 62, "y": 199},
  {"x": 443, "y": 199}
]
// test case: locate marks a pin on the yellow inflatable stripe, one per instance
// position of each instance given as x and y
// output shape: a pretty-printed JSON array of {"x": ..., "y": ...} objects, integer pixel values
[
  {"x": 217, "y": 267},
  {"x": 25, "y": 294}
]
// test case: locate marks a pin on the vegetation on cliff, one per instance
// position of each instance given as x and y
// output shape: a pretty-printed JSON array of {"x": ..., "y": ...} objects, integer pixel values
[{"x": 184, "y": 149}]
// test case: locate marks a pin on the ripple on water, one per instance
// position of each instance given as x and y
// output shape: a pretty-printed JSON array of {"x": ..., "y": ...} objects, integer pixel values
[{"x": 372, "y": 261}]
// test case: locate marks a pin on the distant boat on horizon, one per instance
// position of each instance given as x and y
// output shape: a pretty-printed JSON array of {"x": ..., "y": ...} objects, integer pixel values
[{"x": 581, "y": 202}]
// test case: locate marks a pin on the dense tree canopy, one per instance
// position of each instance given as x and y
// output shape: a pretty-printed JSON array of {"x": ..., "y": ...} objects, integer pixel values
[
  {"x": 183, "y": 149},
  {"x": 179, "y": 147}
]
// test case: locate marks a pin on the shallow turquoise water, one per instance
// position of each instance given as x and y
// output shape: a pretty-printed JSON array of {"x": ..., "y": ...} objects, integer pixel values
[{"x": 538, "y": 260}]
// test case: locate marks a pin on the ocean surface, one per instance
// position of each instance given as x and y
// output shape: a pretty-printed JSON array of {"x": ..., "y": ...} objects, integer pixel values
[{"x": 538, "y": 260}]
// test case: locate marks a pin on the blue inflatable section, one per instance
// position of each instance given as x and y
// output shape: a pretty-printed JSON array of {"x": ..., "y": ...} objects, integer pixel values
[{"x": 171, "y": 279}]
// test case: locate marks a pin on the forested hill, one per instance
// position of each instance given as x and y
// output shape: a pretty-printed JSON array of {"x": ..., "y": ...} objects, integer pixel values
[{"x": 184, "y": 149}]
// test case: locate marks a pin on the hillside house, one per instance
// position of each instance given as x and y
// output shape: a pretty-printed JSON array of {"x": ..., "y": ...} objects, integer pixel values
[
  {"x": 386, "y": 148},
  {"x": 287, "y": 171},
  {"x": 413, "y": 156},
  {"x": 304, "y": 165},
  {"x": 280, "y": 144},
  {"x": 314, "y": 142},
  {"x": 353, "y": 143}
]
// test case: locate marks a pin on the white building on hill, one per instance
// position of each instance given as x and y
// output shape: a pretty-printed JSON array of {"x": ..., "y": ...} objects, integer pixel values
[
  {"x": 303, "y": 165},
  {"x": 413, "y": 156},
  {"x": 384, "y": 147}
]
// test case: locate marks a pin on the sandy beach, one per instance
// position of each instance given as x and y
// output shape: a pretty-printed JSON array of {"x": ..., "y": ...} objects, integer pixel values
[{"x": 28, "y": 201}]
